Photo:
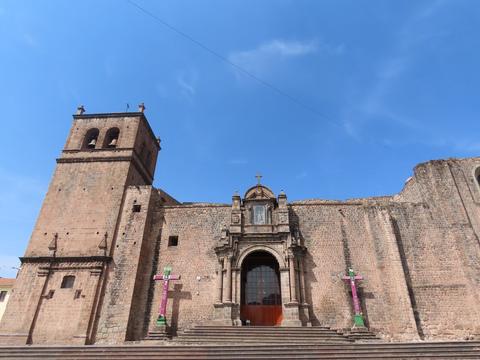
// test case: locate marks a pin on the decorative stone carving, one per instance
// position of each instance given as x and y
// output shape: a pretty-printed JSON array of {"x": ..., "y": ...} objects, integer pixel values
[{"x": 276, "y": 236}]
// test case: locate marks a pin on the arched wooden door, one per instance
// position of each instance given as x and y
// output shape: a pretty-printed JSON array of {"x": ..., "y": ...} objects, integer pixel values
[{"x": 261, "y": 300}]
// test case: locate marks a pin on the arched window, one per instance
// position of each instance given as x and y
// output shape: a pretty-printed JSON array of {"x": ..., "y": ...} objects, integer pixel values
[
  {"x": 90, "y": 140},
  {"x": 111, "y": 138},
  {"x": 68, "y": 281}
]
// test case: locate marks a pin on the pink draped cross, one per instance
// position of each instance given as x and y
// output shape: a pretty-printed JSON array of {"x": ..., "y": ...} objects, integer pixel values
[
  {"x": 166, "y": 277},
  {"x": 351, "y": 277}
]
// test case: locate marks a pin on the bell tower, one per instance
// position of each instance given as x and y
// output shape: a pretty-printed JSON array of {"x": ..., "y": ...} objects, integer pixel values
[
  {"x": 104, "y": 154},
  {"x": 73, "y": 241}
]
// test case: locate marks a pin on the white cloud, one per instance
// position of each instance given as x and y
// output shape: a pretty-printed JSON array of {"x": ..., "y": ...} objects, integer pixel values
[
  {"x": 262, "y": 57},
  {"x": 188, "y": 87},
  {"x": 284, "y": 48},
  {"x": 187, "y": 81},
  {"x": 373, "y": 106}
]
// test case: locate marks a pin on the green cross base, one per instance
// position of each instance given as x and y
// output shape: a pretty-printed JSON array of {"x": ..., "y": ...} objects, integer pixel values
[
  {"x": 161, "y": 320},
  {"x": 359, "y": 320}
]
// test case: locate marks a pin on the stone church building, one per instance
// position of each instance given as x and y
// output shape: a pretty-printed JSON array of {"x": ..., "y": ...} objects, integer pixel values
[{"x": 104, "y": 232}]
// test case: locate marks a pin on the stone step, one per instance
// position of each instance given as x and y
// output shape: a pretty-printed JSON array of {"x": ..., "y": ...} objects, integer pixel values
[
  {"x": 260, "y": 327},
  {"x": 453, "y": 355},
  {"x": 450, "y": 354},
  {"x": 447, "y": 350},
  {"x": 262, "y": 339},
  {"x": 263, "y": 329},
  {"x": 251, "y": 342},
  {"x": 265, "y": 334},
  {"x": 250, "y": 335},
  {"x": 216, "y": 331},
  {"x": 175, "y": 346},
  {"x": 283, "y": 335}
]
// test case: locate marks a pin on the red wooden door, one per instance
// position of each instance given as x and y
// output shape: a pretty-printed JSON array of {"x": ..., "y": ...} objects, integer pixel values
[
  {"x": 261, "y": 298},
  {"x": 262, "y": 315}
]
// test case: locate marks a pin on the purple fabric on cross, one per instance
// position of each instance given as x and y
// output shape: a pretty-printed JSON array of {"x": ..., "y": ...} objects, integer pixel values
[
  {"x": 166, "y": 280},
  {"x": 356, "y": 302}
]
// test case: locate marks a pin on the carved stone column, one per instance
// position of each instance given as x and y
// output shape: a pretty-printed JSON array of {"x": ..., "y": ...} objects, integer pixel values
[
  {"x": 291, "y": 313},
  {"x": 304, "y": 307},
  {"x": 293, "y": 282},
  {"x": 301, "y": 272},
  {"x": 218, "y": 298},
  {"x": 228, "y": 295},
  {"x": 225, "y": 311}
]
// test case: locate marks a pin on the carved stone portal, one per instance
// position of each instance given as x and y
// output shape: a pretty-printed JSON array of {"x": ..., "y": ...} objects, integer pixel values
[{"x": 260, "y": 223}]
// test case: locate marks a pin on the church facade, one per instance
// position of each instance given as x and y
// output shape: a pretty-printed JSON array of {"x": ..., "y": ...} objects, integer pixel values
[{"x": 103, "y": 233}]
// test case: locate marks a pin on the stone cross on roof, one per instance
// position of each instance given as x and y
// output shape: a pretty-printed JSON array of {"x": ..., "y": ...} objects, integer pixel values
[{"x": 258, "y": 176}]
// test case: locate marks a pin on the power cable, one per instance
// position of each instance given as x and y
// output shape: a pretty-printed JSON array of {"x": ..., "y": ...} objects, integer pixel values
[{"x": 227, "y": 61}]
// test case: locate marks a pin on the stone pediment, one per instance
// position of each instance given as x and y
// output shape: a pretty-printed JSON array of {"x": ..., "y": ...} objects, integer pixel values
[{"x": 259, "y": 192}]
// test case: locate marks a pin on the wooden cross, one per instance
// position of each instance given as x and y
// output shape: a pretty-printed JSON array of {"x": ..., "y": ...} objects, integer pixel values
[
  {"x": 351, "y": 277},
  {"x": 166, "y": 277},
  {"x": 258, "y": 176}
]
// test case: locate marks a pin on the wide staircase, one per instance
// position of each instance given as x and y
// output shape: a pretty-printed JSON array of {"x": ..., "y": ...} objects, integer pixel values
[
  {"x": 270, "y": 335},
  {"x": 443, "y": 350}
]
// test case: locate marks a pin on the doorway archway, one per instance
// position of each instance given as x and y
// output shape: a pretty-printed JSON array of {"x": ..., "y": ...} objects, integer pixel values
[{"x": 261, "y": 300}]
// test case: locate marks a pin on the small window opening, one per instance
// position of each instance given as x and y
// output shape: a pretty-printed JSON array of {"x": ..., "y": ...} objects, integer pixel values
[
  {"x": 67, "y": 282},
  {"x": 136, "y": 208},
  {"x": 172, "y": 240},
  {"x": 90, "y": 140},
  {"x": 77, "y": 294},
  {"x": 111, "y": 138},
  {"x": 3, "y": 295},
  {"x": 50, "y": 294}
]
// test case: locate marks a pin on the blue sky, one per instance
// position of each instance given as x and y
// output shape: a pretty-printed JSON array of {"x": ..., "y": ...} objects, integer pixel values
[{"x": 382, "y": 86}]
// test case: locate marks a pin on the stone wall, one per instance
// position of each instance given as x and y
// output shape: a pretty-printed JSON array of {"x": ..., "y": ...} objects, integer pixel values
[
  {"x": 78, "y": 208},
  {"x": 343, "y": 235},
  {"x": 45, "y": 312},
  {"x": 130, "y": 270},
  {"x": 418, "y": 252},
  {"x": 191, "y": 298},
  {"x": 441, "y": 249},
  {"x": 17, "y": 319}
]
